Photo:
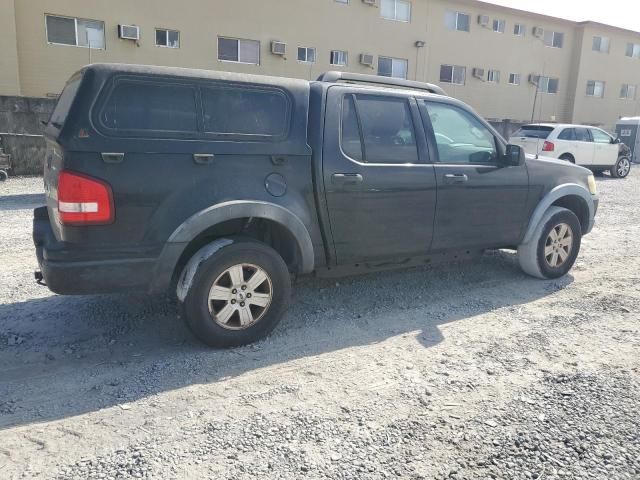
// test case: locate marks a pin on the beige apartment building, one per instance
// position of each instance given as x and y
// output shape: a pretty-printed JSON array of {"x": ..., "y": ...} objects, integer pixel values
[{"x": 506, "y": 63}]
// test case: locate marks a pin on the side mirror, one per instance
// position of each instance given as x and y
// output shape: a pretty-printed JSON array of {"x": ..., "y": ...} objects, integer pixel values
[
  {"x": 514, "y": 156},
  {"x": 616, "y": 140}
]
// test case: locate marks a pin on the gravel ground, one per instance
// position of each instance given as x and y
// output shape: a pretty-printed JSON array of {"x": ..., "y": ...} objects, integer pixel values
[{"x": 465, "y": 371}]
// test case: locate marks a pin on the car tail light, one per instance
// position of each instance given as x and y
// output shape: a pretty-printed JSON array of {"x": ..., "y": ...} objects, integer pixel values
[
  {"x": 548, "y": 146},
  {"x": 83, "y": 200}
]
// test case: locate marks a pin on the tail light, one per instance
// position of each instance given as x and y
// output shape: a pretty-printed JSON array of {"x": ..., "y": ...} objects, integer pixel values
[
  {"x": 83, "y": 200},
  {"x": 548, "y": 146}
]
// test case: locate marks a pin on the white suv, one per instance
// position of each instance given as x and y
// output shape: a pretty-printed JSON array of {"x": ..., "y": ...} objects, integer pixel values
[{"x": 590, "y": 147}]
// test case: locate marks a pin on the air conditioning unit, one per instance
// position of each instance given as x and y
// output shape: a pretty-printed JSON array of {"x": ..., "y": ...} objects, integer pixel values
[
  {"x": 278, "y": 48},
  {"x": 483, "y": 20},
  {"x": 478, "y": 73},
  {"x": 366, "y": 59},
  {"x": 534, "y": 79},
  {"x": 129, "y": 32},
  {"x": 373, "y": 3},
  {"x": 538, "y": 31}
]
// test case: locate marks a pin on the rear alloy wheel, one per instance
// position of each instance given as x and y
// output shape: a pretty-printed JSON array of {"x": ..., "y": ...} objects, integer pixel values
[
  {"x": 622, "y": 168},
  {"x": 238, "y": 295},
  {"x": 554, "y": 245}
]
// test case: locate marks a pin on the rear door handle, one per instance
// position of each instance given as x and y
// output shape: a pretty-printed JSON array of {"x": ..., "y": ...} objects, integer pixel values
[
  {"x": 203, "y": 158},
  {"x": 346, "y": 178},
  {"x": 456, "y": 178}
]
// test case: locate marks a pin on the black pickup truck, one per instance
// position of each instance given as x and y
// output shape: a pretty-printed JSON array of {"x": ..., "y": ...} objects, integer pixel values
[{"x": 218, "y": 187}]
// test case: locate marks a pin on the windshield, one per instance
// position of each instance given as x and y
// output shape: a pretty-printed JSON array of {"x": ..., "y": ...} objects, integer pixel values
[{"x": 533, "y": 131}]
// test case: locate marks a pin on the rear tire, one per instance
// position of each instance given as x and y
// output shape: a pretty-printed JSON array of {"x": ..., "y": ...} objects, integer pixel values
[
  {"x": 3, "y": 175},
  {"x": 622, "y": 168},
  {"x": 223, "y": 307},
  {"x": 567, "y": 157},
  {"x": 554, "y": 247}
]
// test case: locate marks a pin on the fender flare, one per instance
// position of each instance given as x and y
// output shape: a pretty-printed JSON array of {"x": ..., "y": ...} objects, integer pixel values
[
  {"x": 554, "y": 195},
  {"x": 200, "y": 221}
]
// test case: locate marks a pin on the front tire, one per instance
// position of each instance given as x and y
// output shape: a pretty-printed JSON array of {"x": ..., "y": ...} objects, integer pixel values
[
  {"x": 554, "y": 246},
  {"x": 622, "y": 168},
  {"x": 238, "y": 295},
  {"x": 3, "y": 175}
]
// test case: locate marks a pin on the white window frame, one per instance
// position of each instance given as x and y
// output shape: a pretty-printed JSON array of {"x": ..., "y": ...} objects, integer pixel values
[
  {"x": 453, "y": 75},
  {"x": 517, "y": 78},
  {"x": 497, "y": 24},
  {"x": 493, "y": 76},
  {"x": 635, "y": 50},
  {"x": 553, "y": 39},
  {"x": 395, "y": 10},
  {"x": 343, "y": 53},
  {"x": 596, "y": 83},
  {"x": 344, "y": 2},
  {"x": 457, "y": 23},
  {"x": 543, "y": 85},
  {"x": 625, "y": 89},
  {"x": 393, "y": 60},
  {"x": 166, "y": 31},
  {"x": 306, "y": 54},
  {"x": 240, "y": 40},
  {"x": 521, "y": 29},
  {"x": 601, "y": 41},
  {"x": 75, "y": 21}
]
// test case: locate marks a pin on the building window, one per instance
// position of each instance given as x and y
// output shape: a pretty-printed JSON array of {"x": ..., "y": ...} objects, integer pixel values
[
  {"x": 493, "y": 76},
  {"x": 399, "y": 10},
  {"x": 457, "y": 21},
  {"x": 514, "y": 79},
  {"x": 238, "y": 50},
  {"x": 167, "y": 38},
  {"x": 453, "y": 74},
  {"x": 633, "y": 50},
  {"x": 346, "y": 2},
  {"x": 78, "y": 32},
  {"x": 553, "y": 39},
  {"x": 547, "y": 84},
  {"x": 600, "y": 44},
  {"x": 519, "y": 29},
  {"x": 628, "y": 92},
  {"x": 499, "y": 26},
  {"x": 595, "y": 88},
  {"x": 338, "y": 57},
  {"x": 306, "y": 54},
  {"x": 392, "y": 67}
]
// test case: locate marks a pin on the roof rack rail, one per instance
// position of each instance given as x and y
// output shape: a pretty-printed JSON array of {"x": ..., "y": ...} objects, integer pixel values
[{"x": 346, "y": 77}]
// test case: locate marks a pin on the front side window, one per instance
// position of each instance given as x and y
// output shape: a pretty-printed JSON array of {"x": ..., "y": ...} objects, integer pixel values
[
  {"x": 244, "y": 111},
  {"x": 519, "y": 29},
  {"x": 387, "y": 134},
  {"x": 628, "y": 92},
  {"x": 553, "y": 39},
  {"x": 599, "y": 136},
  {"x": 633, "y": 50},
  {"x": 392, "y": 67},
  {"x": 582, "y": 135},
  {"x": 460, "y": 137},
  {"x": 499, "y": 26},
  {"x": 457, "y": 21},
  {"x": 600, "y": 44},
  {"x": 338, "y": 57},
  {"x": 145, "y": 106},
  {"x": 595, "y": 88},
  {"x": 493, "y": 76},
  {"x": 77, "y": 32},
  {"x": 514, "y": 79},
  {"x": 167, "y": 38},
  {"x": 350, "y": 132},
  {"x": 239, "y": 50},
  {"x": 306, "y": 54},
  {"x": 455, "y": 74},
  {"x": 399, "y": 10}
]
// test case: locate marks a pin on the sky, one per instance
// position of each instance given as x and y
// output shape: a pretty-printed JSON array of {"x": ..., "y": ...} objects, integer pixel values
[{"x": 620, "y": 13}]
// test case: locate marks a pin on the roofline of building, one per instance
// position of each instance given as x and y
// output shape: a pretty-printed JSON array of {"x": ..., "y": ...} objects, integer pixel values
[{"x": 519, "y": 11}]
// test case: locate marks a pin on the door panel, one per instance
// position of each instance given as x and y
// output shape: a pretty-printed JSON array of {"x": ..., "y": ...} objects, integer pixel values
[
  {"x": 480, "y": 203},
  {"x": 606, "y": 153},
  {"x": 585, "y": 147},
  {"x": 384, "y": 208}
]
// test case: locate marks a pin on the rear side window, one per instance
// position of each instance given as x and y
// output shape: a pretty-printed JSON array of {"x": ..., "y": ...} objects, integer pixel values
[
  {"x": 245, "y": 111},
  {"x": 388, "y": 134},
  {"x": 567, "y": 134},
  {"x": 65, "y": 100},
  {"x": 533, "y": 131},
  {"x": 351, "y": 143},
  {"x": 146, "y": 106}
]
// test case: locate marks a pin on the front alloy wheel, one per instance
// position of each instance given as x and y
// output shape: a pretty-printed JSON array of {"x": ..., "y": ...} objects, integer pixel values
[
  {"x": 622, "y": 168},
  {"x": 558, "y": 245}
]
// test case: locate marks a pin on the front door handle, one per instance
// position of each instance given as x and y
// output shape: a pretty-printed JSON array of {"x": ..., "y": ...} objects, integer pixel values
[
  {"x": 346, "y": 178},
  {"x": 456, "y": 178},
  {"x": 203, "y": 158}
]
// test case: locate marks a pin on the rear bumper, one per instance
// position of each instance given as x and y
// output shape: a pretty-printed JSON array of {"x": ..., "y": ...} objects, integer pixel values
[{"x": 66, "y": 272}]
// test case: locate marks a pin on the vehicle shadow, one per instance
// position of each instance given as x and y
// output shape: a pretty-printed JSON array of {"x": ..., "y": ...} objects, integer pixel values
[
  {"x": 21, "y": 202},
  {"x": 82, "y": 354}
]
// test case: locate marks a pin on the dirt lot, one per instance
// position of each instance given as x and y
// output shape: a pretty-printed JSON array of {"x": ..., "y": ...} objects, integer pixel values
[{"x": 465, "y": 371}]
